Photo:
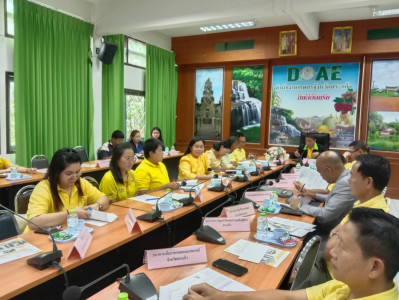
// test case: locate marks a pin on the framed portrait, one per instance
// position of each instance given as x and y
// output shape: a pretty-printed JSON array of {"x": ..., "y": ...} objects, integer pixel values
[
  {"x": 341, "y": 40},
  {"x": 287, "y": 43}
]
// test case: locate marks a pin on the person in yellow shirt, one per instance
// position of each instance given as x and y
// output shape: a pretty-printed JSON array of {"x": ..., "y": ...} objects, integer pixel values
[
  {"x": 119, "y": 182},
  {"x": 5, "y": 167},
  {"x": 239, "y": 153},
  {"x": 194, "y": 164},
  {"x": 151, "y": 174},
  {"x": 356, "y": 148},
  {"x": 364, "y": 262},
  {"x": 61, "y": 190},
  {"x": 216, "y": 156},
  {"x": 311, "y": 149}
]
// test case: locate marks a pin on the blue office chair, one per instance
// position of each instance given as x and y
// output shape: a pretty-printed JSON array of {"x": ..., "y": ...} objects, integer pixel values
[
  {"x": 39, "y": 161},
  {"x": 8, "y": 224}
]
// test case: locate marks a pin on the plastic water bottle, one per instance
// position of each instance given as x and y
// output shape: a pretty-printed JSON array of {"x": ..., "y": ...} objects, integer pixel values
[
  {"x": 313, "y": 166},
  {"x": 297, "y": 167},
  {"x": 214, "y": 179},
  {"x": 273, "y": 199},
  {"x": 14, "y": 173},
  {"x": 173, "y": 150},
  {"x": 72, "y": 221},
  {"x": 165, "y": 203},
  {"x": 166, "y": 150},
  {"x": 261, "y": 229}
]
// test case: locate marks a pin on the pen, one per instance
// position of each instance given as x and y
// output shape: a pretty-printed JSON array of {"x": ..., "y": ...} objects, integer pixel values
[
  {"x": 302, "y": 188},
  {"x": 150, "y": 199}
]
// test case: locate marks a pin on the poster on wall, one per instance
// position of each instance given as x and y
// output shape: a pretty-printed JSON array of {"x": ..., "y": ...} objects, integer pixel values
[
  {"x": 314, "y": 98},
  {"x": 208, "y": 103},
  {"x": 383, "y": 121},
  {"x": 246, "y": 101}
]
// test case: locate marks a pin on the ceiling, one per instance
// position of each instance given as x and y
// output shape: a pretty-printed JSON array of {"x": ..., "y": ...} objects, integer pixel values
[{"x": 175, "y": 18}]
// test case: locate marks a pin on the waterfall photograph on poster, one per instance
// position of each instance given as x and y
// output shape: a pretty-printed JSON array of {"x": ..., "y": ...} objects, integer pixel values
[
  {"x": 246, "y": 101},
  {"x": 208, "y": 103}
]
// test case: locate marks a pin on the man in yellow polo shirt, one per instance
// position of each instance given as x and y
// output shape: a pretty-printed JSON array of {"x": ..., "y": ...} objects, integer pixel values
[
  {"x": 365, "y": 261},
  {"x": 151, "y": 174},
  {"x": 311, "y": 149}
]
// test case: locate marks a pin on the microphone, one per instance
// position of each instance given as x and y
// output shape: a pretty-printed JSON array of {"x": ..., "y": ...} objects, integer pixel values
[
  {"x": 207, "y": 233},
  {"x": 44, "y": 259},
  {"x": 217, "y": 187},
  {"x": 153, "y": 215},
  {"x": 241, "y": 178},
  {"x": 246, "y": 200}
]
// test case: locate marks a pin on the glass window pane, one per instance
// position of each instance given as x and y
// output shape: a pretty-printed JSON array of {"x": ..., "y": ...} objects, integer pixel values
[
  {"x": 135, "y": 112},
  {"x": 136, "y": 53},
  {"x": 10, "y": 17}
]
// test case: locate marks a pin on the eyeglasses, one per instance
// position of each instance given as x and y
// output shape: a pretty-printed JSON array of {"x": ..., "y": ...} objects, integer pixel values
[
  {"x": 351, "y": 152},
  {"x": 129, "y": 158}
]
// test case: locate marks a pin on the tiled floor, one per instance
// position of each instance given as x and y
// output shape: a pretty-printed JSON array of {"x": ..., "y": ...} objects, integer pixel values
[{"x": 394, "y": 210}]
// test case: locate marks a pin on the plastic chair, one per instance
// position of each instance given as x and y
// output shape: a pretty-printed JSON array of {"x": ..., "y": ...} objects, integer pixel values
[
  {"x": 8, "y": 224},
  {"x": 39, "y": 161},
  {"x": 93, "y": 181},
  {"x": 21, "y": 199},
  {"x": 299, "y": 277},
  {"x": 82, "y": 153}
]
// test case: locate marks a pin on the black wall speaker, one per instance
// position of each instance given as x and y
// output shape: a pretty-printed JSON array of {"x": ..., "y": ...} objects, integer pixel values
[{"x": 107, "y": 52}]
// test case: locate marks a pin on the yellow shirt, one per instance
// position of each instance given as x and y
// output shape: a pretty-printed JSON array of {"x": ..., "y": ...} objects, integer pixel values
[
  {"x": 117, "y": 191},
  {"x": 217, "y": 163},
  {"x": 337, "y": 290},
  {"x": 190, "y": 167},
  {"x": 378, "y": 202},
  {"x": 238, "y": 155},
  {"x": 4, "y": 164},
  {"x": 348, "y": 166},
  {"x": 149, "y": 176}
]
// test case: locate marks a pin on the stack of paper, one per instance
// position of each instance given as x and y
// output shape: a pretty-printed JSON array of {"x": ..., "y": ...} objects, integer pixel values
[
  {"x": 295, "y": 228},
  {"x": 100, "y": 218},
  {"x": 311, "y": 178}
]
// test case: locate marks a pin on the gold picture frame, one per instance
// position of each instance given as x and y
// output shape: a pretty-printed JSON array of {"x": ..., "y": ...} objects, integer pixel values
[
  {"x": 287, "y": 43},
  {"x": 341, "y": 40}
]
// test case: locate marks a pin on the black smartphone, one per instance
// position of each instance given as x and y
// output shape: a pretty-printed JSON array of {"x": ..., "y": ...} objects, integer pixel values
[{"x": 230, "y": 267}]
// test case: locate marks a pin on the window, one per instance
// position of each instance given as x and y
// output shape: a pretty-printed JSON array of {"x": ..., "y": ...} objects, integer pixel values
[
  {"x": 135, "y": 111},
  {"x": 10, "y": 112},
  {"x": 135, "y": 52},
  {"x": 9, "y": 17}
]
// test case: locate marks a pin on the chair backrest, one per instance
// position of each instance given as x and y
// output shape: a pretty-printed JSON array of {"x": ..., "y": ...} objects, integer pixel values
[
  {"x": 8, "y": 225},
  {"x": 98, "y": 153},
  {"x": 21, "y": 199},
  {"x": 321, "y": 138},
  {"x": 39, "y": 161},
  {"x": 82, "y": 153},
  {"x": 93, "y": 181},
  {"x": 301, "y": 270}
]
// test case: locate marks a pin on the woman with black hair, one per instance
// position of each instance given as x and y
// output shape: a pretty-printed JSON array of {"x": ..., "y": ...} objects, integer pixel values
[
  {"x": 194, "y": 164},
  {"x": 135, "y": 142},
  {"x": 61, "y": 190},
  {"x": 118, "y": 183},
  {"x": 216, "y": 156},
  {"x": 156, "y": 133}
]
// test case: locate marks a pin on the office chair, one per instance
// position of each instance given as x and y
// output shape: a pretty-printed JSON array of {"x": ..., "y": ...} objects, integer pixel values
[
  {"x": 321, "y": 139},
  {"x": 299, "y": 277},
  {"x": 82, "y": 153},
  {"x": 39, "y": 161},
  {"x": 8, "y": 224},
  {"x": 21, "y": 199},
  {"x": 93, "y": 181}
]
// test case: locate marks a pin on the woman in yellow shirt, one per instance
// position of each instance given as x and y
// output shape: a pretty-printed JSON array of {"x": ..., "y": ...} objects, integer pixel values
[
  {"x": 61, "y": 190},
  {"x": 118, "y": 183},
  {"x": 194, "y": 164},
  {"x": 216, "y": 156},
  {"x": 5, "y": 167}
]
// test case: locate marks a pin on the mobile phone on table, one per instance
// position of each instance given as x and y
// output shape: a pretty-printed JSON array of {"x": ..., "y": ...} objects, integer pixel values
[{"x": 230, "y": 267}]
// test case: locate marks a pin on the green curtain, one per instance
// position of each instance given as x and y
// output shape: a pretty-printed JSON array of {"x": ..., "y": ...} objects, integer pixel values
[
  {"x": 113, "y": 103},
  {"x": 53, "y": 82},
  {"x": 161, "y": 93}
]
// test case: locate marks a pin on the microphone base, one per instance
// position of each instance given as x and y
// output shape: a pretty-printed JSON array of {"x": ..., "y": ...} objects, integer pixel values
[
  {"x": 151, "y": 216},
  {"x": 139, "y": 287},
  {"x": 43, "y": 260},
  {"x": 216, "y": 188},
  {"x": 209, "y": 235},
  {"x": 186, "y": 201},
  {"x": 246, "y": 200}
]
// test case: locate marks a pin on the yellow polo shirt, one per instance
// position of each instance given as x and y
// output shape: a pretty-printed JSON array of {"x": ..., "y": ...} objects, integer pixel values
[
  {"x": 117, "y": 191},
  {"x": 238, "y": 155},
  {"x": 4, "y": 163},
  {"x": 217, "y": 163},
  {"x": 377, "y": 202},
  {"x": 337, "y": 290},
  {"x": 41, "y": 201},
  {"x": 150, "y": 176},
  {"x": 190, "y": 167}
]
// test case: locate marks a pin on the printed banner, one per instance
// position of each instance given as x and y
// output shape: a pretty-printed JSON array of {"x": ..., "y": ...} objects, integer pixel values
[{"x": 314, "y": 97}]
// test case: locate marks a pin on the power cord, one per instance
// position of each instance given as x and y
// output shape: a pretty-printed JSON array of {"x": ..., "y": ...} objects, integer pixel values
[{"x": 58, "y": 266}]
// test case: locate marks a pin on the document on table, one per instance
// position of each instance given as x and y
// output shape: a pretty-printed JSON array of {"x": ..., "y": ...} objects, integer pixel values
[
  {"x": 295, "y": 228},
  {"x": 86, "y": 165},
  {"x": 311, "y": 178},
  {"x": 177, "y": 289},
  {"x": 257, "y": 253},
  {"x": 15, "y": 249},
  {"x": 100, "y": 218},
  {"x": 150, "y": 199}
]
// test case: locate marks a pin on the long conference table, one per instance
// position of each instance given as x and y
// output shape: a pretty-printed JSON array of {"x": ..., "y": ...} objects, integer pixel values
[
  {"x": 112, "y": 246},
  {"x": 9, "y": 188}
]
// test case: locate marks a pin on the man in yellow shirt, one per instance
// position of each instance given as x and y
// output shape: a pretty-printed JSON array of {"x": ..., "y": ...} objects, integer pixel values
[
  {"x": 365, "y": 261},
  {"x": 239, "y": 153},
  {"x": 151, "y": 174},
  {"x": 311, "y": 149}
]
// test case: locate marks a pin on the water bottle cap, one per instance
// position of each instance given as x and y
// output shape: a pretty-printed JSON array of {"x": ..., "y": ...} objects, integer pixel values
[
  {"x": 71, "y": 211},
  {"x": 262, "y": 214},
  {"x": 123, "y": 296},
  {"x": 168, "y": 190}
]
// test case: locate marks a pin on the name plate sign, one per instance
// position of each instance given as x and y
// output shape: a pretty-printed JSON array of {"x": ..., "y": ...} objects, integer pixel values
[
  {"x": 241, "y": 210},
  {"x": 81, "y": 244},
  {"x": 131, "y": 223},
  {"x": 103, "y": 163},
  {"x": 228, "y": 224},
  {"x": 180, "y": 256}
]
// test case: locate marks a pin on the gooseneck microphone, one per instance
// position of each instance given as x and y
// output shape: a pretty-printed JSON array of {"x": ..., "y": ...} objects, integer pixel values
[
  {"x": 154, "y": 215},
  {"x": 44, "y": 259},
  {"x": 207, "y": 233}
]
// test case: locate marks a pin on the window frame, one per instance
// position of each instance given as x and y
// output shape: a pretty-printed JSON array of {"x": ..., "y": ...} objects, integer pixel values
[
  {"x": 126, "y": 54},
  {"x": 6, "y": 34},
  {"x": 9, "y": 77}
]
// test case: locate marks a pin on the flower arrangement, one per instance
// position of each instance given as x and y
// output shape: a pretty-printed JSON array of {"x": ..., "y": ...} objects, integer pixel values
[{"x": 276, "y": 152}]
